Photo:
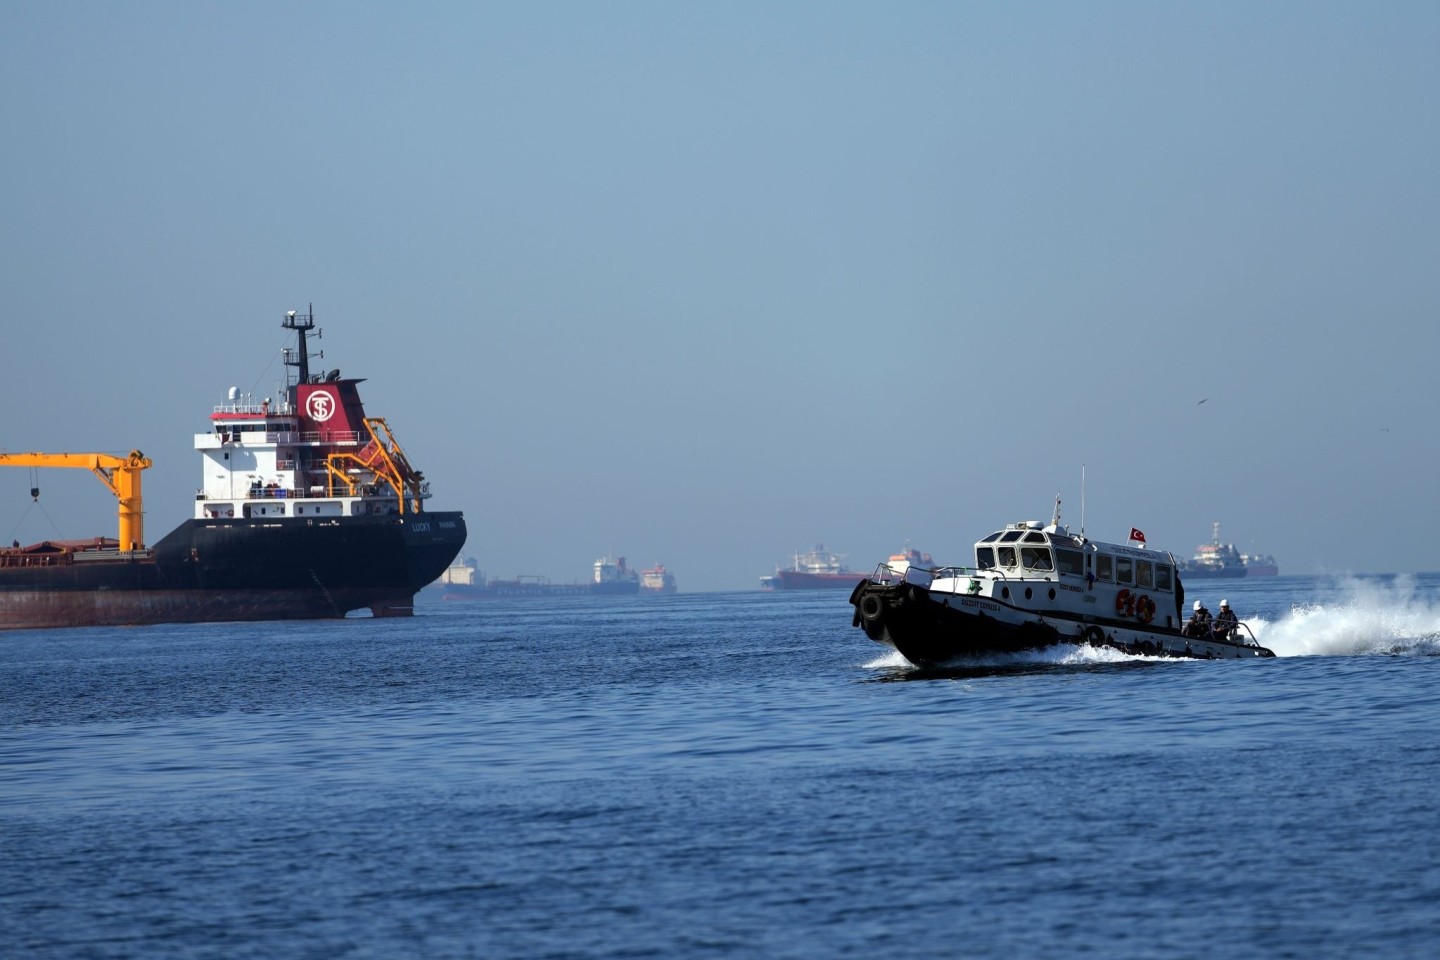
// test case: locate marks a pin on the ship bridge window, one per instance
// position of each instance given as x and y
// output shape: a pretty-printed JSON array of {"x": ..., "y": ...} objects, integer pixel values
[
  {"x": 1124, "y": 570},
  {"x": 1036, "y": 558},
  {"x": 1034, "y": 537},
  {"x": 1144, "y": 574},
  {"x": 1104, "y": 568},
  {"x": 984, "y": 557},
  {"x": 1010, "y": 536},
  {"x": 1070, "y": 561},
  {"x": 1162, "y": 576},
  {"x": 1006, "y": 556},
  {"x": 993, "y": 537}
]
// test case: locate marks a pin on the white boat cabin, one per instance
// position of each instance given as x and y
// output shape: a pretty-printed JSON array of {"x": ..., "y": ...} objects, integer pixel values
[{"x": 1045, "y": 568}]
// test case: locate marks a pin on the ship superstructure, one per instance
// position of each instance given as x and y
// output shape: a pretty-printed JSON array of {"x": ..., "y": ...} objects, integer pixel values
[{"x": 313, "y": 453}]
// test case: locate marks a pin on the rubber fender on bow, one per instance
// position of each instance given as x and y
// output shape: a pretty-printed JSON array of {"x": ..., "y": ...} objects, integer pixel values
[{"x": 872, "y": 607}]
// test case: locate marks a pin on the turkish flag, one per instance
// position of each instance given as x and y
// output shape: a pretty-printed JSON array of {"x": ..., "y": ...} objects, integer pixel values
[{"x": 1136, "y": 535}]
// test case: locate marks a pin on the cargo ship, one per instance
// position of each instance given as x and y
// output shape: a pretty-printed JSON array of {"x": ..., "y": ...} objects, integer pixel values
[
  {"x": 1260, "y": 565},
  {"x": 818, "y": 569},
  {"x": 464, "y": 580},
  {"x": 308, "y": 508},
  {"x": 657, "y": 580},
  {"x": 614, "y": 578},
  {"x": 1221, "y": 561}
]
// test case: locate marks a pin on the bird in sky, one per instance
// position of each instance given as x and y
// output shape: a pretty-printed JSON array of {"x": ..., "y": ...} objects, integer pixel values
[{"x": 1198, "y": 402}]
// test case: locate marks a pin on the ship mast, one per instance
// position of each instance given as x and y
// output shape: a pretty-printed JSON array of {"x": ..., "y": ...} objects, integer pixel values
[{"x": 299, "y": 358}]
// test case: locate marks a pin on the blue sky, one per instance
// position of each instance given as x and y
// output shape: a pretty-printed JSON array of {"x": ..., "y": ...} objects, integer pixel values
[{"x": 706, "y": 283}]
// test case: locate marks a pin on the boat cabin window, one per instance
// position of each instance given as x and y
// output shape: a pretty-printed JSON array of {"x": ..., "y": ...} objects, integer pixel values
[
  {"x": 1033, "y": 537},
  {"x": 984, "y": 557},
  {"x": 1104, "y": 568},
  {"x": 1006, "y": 556},
  {"x": 1070, "y": 561},
  {"x": 1162, "y": 576},
  {"x": 993, "y": 537},
  {"x": 1036, "y": 558},
  {"x": 1010, "y": 536},
  {"x": 1144, "y": 574},
  {"x": 1124, "y": 570}
]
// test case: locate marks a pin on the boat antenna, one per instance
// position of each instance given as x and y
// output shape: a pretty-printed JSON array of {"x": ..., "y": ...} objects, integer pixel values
[
  {"x": 1055, "y": 520},
  {"x": 1082, "y": 501}
]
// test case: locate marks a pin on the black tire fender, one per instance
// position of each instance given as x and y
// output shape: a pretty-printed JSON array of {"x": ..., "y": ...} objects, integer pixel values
[
  {"x": 1094, "y": 636},
  {"x": 872, "y": 607}
]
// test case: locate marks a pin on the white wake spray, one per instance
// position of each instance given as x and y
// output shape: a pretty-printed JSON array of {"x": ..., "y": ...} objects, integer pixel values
[{"x": 1367, "y": 617}]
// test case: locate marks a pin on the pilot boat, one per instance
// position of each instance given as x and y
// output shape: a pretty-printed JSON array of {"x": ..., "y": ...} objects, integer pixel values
[{"x": 1036, "y": 585}]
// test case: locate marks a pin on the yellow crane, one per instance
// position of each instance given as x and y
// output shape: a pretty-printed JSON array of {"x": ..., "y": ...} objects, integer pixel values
[{"x": 120, "y": 474}]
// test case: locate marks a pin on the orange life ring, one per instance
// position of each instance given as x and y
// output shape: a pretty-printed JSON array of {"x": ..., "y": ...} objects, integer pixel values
[
  {"x": 1124, "y": 603},
  {"x": 1145, "y": 609}
]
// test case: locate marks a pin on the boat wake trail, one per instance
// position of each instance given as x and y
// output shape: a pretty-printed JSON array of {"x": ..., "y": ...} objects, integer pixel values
[
  {"x": 1367, "y": 617},
  {"x": 1061, "y": 655}
]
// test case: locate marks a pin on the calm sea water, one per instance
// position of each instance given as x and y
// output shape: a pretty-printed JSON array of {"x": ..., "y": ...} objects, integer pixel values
[{"x": 722, "y": 775}]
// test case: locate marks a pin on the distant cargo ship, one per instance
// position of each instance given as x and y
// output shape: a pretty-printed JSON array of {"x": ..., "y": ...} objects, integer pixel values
[
  {"x": 657, "y": 580},
  {"x": 1260, "y": 565},
  {"x": 817, "y": 570},
  {"x": 464, "y": 580},
  {"x": 1217, "y": 561}
]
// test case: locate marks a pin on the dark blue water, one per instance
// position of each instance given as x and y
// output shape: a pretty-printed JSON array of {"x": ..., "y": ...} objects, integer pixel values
[{"x": 726, "y": 775}]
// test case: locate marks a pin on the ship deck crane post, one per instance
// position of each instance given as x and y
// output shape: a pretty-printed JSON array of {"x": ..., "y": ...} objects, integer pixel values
[{"x": 120, "y": 474}]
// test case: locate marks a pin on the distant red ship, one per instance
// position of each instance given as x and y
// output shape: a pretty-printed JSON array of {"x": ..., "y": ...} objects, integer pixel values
[{"x": 817, "y": 570}]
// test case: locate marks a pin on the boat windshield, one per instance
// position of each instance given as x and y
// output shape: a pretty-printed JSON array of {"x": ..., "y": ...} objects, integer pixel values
[
  {"x": 1070, "y": 561},
  {"x": 1036, "y": 558},
  {"x": 984, "y": 557}
]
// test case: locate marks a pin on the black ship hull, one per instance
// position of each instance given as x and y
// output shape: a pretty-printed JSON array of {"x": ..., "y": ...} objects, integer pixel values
[{"x": 243, "y": 569}]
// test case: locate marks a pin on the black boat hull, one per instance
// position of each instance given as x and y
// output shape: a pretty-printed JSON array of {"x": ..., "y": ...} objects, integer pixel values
[
  {"x": 246, "y": 569},
  {"x": 929, "y": 629}
]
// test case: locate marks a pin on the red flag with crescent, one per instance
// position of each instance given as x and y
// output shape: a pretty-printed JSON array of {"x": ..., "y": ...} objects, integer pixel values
[{"x": 1136, "y": 535}]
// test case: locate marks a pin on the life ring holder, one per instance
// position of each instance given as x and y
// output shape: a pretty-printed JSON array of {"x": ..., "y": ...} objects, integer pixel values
[
  {"x": 1145, "y": 609},
  {"x": 1125, "y": 603}
]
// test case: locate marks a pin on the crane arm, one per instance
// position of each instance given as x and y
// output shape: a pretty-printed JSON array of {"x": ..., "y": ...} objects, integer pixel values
[{"x": 120, "y": 474}]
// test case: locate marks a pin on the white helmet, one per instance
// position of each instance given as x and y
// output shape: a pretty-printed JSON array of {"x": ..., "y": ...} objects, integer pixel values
[
  {"x": 1224, "y": 603},
  {"x": 1197, "y": 604}
]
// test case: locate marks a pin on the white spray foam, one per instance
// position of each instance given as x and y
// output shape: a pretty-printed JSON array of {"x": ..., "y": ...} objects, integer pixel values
[{"x": 1369, "y": 617}]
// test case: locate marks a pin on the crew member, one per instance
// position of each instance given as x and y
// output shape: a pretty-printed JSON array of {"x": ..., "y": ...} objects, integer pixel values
[
  {"x": 1226, "y": 622},
  {"x": 1199, "y": 623}
]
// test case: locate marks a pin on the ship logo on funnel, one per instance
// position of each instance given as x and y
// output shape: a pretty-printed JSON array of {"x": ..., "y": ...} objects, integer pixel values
[{"x": 320, "y": 406}]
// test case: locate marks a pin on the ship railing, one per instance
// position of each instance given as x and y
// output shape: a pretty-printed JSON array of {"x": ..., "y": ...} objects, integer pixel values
[
  {"x": 268, "y": 493},
  {"x": 248, "y": 407},
  {"x": 330, "y": 436}
]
